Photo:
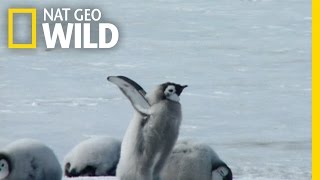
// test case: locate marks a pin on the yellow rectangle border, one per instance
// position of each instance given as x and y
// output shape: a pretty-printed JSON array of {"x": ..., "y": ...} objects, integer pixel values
[
  {"x": 33, "y": 12},
  {"x": 315, "y": 90}
]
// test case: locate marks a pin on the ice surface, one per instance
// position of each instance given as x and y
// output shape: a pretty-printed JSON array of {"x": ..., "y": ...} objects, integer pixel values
[{"x": 247, "y": 64}]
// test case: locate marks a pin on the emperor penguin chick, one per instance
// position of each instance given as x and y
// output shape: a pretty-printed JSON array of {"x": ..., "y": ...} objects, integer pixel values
[
  {"x": 153, "y": 130},
  {"x": 195, "y": 161},
  {"x": 28, "y": 159},
  {"x": 97, "y": 156}
]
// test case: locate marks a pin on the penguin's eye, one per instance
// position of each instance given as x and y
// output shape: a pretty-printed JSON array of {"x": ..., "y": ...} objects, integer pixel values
[
  {"x": 170, "y": 90},
  {"x": 170, "y": 93},
  {"x": 4, "y": 169}
]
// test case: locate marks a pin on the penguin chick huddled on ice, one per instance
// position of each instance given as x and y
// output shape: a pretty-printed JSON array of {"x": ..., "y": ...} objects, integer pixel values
[
  {"x": 195, "y": 161},
  {"x": 28, "y": 159},
  {"x": 96, "y": 156},
  {"x": 153, "y": 130}
]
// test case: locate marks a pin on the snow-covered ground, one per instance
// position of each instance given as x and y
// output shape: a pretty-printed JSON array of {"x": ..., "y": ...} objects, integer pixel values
[{"x": 247, "y": 64}]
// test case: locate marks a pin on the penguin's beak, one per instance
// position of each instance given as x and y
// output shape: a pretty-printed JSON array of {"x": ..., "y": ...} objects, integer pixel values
[{"x": 180, "y": 88}]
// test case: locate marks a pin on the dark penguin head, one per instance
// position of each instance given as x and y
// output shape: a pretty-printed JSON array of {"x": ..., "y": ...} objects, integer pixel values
[
  {"x": 221, "y": 172},
  {"x": 73, "y": 172},
  {"x": 5, "y": 166},
  {"x": 171, "y": 91},
  {"x": 87, "y": 171}
]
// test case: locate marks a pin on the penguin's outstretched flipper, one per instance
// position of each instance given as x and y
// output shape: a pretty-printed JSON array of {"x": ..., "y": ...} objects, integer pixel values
[{"x": 134, "y": 92}]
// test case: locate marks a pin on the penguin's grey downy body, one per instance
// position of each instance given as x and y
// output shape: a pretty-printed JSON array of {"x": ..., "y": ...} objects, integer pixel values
[
  {"x": 28, "y": 159},
  {"x": 96, "y": 156},
  {"x": 153, "y": 130},
  {"x": 195, "y": 161}
]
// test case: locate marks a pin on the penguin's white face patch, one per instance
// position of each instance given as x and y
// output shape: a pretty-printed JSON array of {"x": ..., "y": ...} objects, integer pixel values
[
  {"x": 220, "y": 173},
  {"x": 4, "y": 169},
  {"x": 170, "y": 93}
]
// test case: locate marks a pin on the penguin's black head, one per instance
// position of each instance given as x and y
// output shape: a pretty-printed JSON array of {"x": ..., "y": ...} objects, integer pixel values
[
  {"x": 72, "y": 172},
  {"x": 172, "y": 91},
  {"x": 222, "y": 172},
  {"x": 5, "y": 166}
]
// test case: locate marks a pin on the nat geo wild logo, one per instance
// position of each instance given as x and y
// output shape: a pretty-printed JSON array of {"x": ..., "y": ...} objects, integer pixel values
[{"x": 71, "y": 28}]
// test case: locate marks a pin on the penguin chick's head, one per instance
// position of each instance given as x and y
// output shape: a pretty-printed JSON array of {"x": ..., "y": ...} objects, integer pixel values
[
  {"x": 172, "y": 91},
  {"x": 5, "y": 166},
  {"x": 222, "y": 173},
  {"x": 72, "y": 172}
]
